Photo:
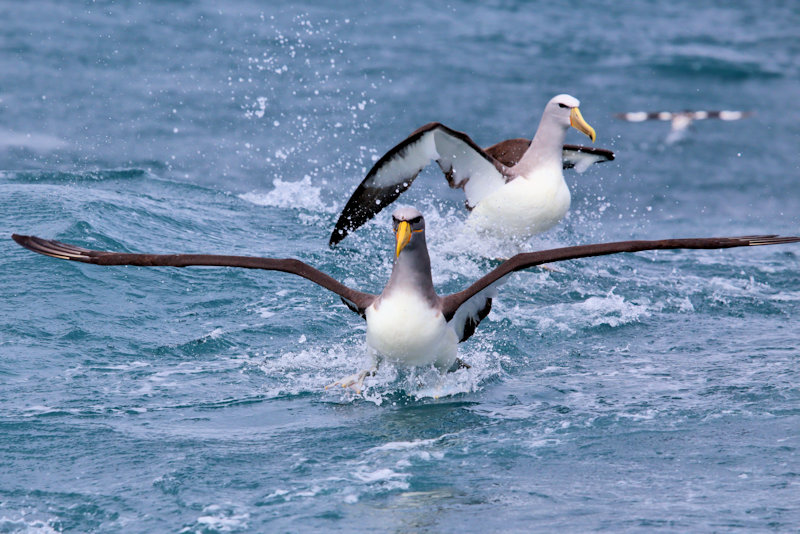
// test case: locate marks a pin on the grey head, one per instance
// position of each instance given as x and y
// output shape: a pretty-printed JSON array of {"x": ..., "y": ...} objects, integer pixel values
[
  {"x": 412, "y": 264},
  {"x": 408, "y": 223}
]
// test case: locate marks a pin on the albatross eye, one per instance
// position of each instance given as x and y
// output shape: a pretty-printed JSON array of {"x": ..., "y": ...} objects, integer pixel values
[{"x": 562, "y": 105}]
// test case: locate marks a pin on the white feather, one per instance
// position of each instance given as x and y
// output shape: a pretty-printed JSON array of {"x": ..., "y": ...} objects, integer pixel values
[
  {"x": 471, "y": 308},
  {"x": 407, "y": 163},
  {"x": 405, "y": 329}
]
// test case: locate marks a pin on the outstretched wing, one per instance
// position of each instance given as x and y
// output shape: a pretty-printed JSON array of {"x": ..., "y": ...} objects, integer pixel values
[
  {"x": 579, "y": 157},
  {"x": 640, "y": 116},
  {"x": 452, "y": 303},
  {"x": 463, "y": 162},
  {"x": 355, "y": 300}
]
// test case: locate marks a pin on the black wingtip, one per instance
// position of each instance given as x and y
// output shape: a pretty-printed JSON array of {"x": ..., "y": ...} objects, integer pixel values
[
  {"x": 336, "y": 237},
  {"x": 344, "y": 226}
]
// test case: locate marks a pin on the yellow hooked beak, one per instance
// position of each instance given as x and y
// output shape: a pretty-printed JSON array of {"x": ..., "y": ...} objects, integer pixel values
[
  {"x": 403, "y": 235},
  {"x": 577, "y": 122}
]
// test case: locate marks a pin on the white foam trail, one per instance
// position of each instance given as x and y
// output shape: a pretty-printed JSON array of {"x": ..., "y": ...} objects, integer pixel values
[
  {"x": 35, "y": 526},
  {"x": 221, "y": 519},
  {"x": 406, "y": 445}
]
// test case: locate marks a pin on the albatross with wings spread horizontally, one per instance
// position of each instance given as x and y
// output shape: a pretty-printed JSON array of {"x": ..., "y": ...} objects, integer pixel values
[
  {"x": 514, "y": 189},
  {"x": 407, "y": 323}
]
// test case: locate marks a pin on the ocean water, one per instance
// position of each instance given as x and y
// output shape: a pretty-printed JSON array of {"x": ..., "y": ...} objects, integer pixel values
[{"x": 637, "y": 393}]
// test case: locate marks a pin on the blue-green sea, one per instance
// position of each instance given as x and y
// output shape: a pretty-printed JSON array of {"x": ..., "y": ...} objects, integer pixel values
[{"x": 655, "y": 392}]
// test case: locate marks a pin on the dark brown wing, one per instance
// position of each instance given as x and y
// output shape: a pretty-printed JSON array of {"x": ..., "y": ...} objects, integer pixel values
[
  {"x": 451, "y": 303},
  {"x": 510, "y": 151},
  {"x": 355, "y": 300},
  {"x": 579, "y": 157}
]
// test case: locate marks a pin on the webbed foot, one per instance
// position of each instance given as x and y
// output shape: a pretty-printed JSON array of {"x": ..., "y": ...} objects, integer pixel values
[
  {"x": 459, "y": 364},
  {"x": 550, "y": 268},
  {"x": 355, "y": 381}
]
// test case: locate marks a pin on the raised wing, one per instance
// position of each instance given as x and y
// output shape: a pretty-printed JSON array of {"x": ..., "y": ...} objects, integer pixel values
[
  {"x": 452, "y": 303},
  {"x": 579, "y": 157},
  {"x": 463, "y": 162},
  {"x": 355, "y": 300}
]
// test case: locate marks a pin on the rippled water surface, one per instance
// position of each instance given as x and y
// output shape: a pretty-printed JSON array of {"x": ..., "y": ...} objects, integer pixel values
[{"x": 648, "y": 392}]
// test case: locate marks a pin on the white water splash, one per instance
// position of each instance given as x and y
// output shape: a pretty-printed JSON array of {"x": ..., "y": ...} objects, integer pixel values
[
  {"x": 295, "y": 195},
  {"x": 315, "y": 368}
]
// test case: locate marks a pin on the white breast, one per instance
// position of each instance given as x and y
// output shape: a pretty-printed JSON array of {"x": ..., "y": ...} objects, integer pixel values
[
  {"x": 406, "y": 330},
  {"x": 524, "y": 206}
]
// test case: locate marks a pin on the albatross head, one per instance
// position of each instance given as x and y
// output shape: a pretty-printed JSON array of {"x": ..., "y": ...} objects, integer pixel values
[
  {"x": 406, "y": 222},
  {"x": 564, "y": 110}
]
